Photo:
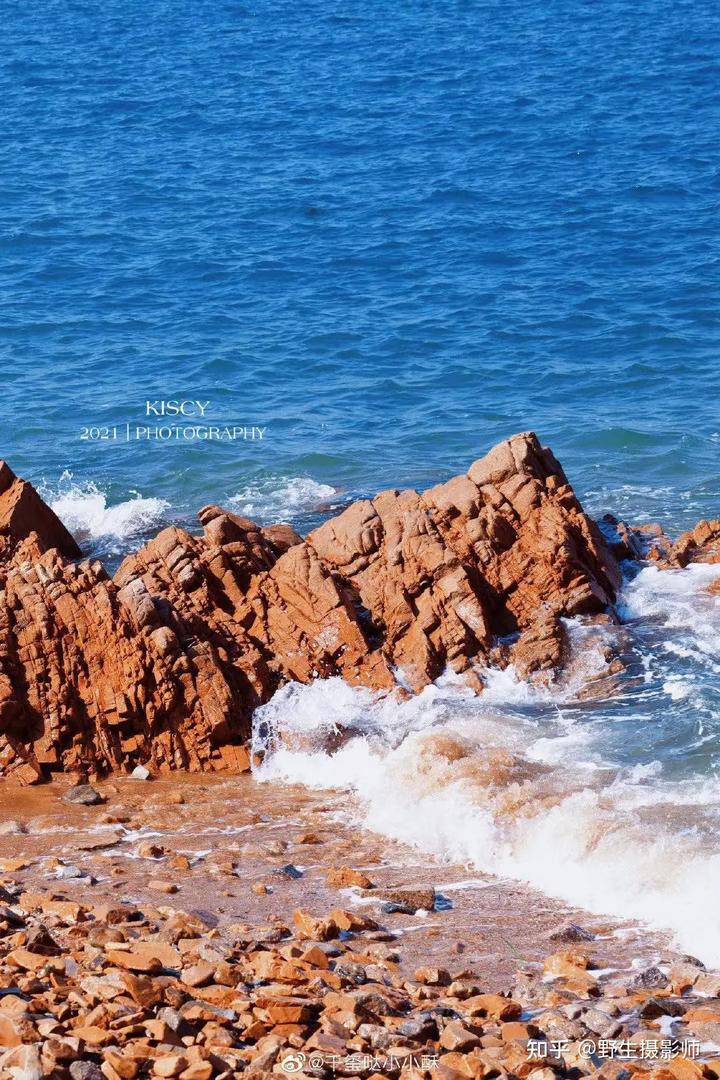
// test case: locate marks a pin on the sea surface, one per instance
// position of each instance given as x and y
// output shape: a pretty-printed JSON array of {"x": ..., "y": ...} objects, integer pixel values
[{"x": 388, "y": 236}]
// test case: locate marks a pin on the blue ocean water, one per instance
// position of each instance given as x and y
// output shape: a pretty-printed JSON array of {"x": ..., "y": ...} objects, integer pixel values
[{"x": 389, "y": 234}]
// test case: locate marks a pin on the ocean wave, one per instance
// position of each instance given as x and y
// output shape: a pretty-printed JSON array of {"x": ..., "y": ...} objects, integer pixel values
[
  {"x": 83, "y": 508},
  {"x": 532, "y": 783},
  {"x": 277, "y": 497}
]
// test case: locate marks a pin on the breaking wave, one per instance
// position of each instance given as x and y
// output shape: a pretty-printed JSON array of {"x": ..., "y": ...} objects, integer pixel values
[
  {"x": 276, "y": 497},
  {"x": 611, "y": 803},
  {"x": 98, "y": 527}
]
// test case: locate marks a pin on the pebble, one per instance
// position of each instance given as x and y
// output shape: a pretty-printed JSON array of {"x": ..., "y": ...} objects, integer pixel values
[
  {"x": 131, "y": 993},
  {"x": 83, "y": 795}
]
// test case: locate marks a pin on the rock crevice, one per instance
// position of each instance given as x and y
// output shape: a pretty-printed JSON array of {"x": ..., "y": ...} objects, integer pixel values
[{"x": 165, "y": 662}]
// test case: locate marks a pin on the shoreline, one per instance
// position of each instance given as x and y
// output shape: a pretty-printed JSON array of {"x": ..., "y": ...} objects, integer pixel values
[
  {"x": 238, "y": 858},
  {"x": 143, "y": 838},
  {"x": 491, "y": 585}
]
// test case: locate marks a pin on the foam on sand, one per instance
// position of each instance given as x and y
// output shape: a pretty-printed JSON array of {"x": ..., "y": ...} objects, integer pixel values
[{"x": 532, "y": 784}]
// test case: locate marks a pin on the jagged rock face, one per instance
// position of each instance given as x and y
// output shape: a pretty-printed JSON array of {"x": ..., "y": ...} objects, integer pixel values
[
  {"x": 25, "y": 517},
  {"x": 651, "y": 543},
  {"x": 701, "y": 544},
  {"x": 165, "y": 662},
  {"x": 504, "y": 551}
]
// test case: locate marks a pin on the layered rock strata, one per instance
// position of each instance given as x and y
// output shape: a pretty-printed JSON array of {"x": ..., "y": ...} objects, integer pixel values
[{"x": 165, "y": 662}]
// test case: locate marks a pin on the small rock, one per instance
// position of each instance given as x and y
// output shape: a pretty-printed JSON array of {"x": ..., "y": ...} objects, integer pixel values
[
  {"x": 168, "y": 887},
  {"x": 429, "y": 976},
  {"x": 140, "y": 773},
  {"x": 86, "y": 1070},
  {"x": 344, "y": 877},
  {"x": 83, "y": 795},
  {"x": 709, "y": 984},
  {"x": 514, "y": 1031},
  {"x": 653, "y": 1007},
  {"x": 693, "y": 960},
  {"x": 651, "y": 978},
  {"x": 494, "y": 1006},
  {"x": 148, "y": 850},
  {"x": 12, "y": 828},
  {"x": 199, "y": 1070},
  {"x": 23, "y": 1063},
  {"x": 571, "y": 933},
  {"x": 456, "y": 1038},
  {"x": 421, "y": 1028},
  {"x": 170, "y": 1066},
  {"x": 411, "y": 900},
  {"x": 69, "y": 871},
  {"x": 200, "y": 974},
  {"x": 289, "y": 871},
  {"x": 121, "y": 1065}
]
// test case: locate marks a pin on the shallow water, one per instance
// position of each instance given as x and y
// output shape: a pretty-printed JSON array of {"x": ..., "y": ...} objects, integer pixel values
[
  {"x": 610, "y": 802},
  {"x": 76, "y": 850}
]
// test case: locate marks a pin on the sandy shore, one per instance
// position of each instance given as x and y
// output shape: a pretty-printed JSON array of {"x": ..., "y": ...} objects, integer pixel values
[
  {"x": 215, "y": 842},
  {"x": 207, "y": 927}
]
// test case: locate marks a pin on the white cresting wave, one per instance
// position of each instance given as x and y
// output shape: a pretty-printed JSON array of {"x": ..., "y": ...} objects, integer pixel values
[
  {"x": 533, "y": 784},
  {"x": 276, "y": 496},
  {"x": 83, "y": 509}
]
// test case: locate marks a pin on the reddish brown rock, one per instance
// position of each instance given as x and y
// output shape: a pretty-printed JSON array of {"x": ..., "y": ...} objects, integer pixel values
[
  {"x": 504, "y": 550},
  {"x": 25, "y": 517},
  {"x": 164, "y": 663},
  {"x": 343, "y": 877},
  {"x": 701, "y": 544}
]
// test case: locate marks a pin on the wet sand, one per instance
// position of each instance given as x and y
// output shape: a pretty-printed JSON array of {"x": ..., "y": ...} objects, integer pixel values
[{"x": 210, "y": 844}]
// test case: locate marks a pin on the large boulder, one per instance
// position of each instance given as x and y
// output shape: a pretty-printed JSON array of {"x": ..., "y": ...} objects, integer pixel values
[
  {"x": 25, "y": 517},
  {"x": 165, "y": 663}
]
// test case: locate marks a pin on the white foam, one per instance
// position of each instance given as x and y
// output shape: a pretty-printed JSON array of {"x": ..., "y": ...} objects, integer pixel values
[
  {"x": 281, "y": 496},
  {"x": 512, "y": 783},
  {"x": 586, "y": 846},
  {"x": 673, "y": 595},
  {"x": 83, "y": 508}
]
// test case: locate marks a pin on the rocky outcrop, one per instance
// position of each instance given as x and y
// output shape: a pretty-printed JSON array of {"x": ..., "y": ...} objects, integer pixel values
[
  {"x": 26, "y": 521},
  {"x": 701, "y": 544},
  {"x": 651, "y": 543},
  {"x": 165, "y": 662},
  {"x": 503, "y": 552}
]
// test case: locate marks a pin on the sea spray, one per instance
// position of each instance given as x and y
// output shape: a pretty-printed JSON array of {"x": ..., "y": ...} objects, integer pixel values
[
  {"x": 610, "y": 804},
  {"x": 284, "y": 496},
  {"x": 84, "y": 509}
]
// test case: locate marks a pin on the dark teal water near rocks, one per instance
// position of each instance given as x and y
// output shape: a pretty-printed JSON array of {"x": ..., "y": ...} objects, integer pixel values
[{"x": 389, "y": 234}]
